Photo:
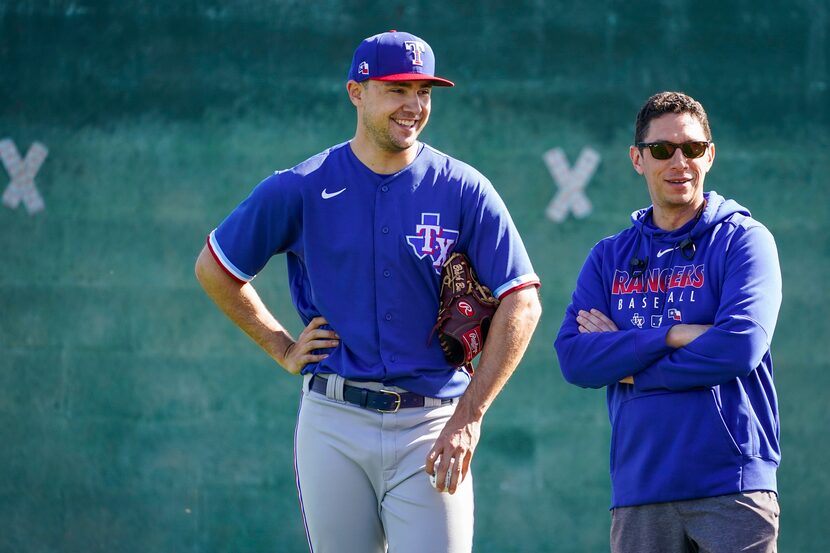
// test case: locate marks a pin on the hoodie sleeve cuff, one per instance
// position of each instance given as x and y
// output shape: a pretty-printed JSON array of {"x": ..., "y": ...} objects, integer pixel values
[
  {"x": 650, "y": 345},
  {"x": 650, "y": 379}
]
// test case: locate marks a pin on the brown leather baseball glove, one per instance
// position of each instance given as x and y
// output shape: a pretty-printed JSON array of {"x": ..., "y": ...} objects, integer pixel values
[{"x": 465, "y": 310}]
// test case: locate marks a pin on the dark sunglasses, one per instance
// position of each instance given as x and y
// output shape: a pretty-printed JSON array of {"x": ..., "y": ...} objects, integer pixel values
[{"x": 664, "y": 150}]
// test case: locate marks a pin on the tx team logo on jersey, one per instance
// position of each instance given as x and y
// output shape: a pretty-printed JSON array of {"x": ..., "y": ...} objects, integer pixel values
[
  {"x": 638, "y": 320},
  {"x": 675, "y": 315},
  {"x": 417, "y": 49},
  {"x": 430, "y": 239}
]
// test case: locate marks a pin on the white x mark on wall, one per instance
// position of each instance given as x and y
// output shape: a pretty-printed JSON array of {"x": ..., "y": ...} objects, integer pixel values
[
  {"x": 571, "y": 182},
  {"x": 22, "y": 172}
]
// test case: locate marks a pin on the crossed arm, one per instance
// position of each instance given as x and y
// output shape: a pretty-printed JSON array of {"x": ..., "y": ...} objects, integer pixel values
[
  {"x": 593, "y": 353},
  {"x": 678, "y": 335}
]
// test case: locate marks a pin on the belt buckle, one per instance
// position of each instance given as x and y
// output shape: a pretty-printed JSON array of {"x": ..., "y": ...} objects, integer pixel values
[{"x": 397, "y": 401}]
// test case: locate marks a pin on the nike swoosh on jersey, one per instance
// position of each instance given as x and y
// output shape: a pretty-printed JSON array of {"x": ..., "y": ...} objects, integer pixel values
[
  {"x": 661, "y": 253},
  {"x": 327, "y": 195}
]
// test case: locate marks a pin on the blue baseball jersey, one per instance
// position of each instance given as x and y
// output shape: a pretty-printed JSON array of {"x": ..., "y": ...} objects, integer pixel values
[{"x": 365, "y": 251}]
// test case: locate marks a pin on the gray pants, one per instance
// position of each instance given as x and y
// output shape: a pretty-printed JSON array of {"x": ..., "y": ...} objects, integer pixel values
[
  {"x": 746, "y": 522},
  {"x": 362, "y": 483}
]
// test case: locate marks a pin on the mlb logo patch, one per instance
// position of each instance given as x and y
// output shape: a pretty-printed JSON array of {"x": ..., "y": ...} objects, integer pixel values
[{"x": 363, "y": 68}]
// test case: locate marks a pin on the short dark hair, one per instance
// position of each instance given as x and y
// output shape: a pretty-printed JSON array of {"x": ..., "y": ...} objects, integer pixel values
[{"x": 669, "y": 102}]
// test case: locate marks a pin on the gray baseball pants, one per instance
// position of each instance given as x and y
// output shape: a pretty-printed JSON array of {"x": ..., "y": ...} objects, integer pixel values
[
  {"x": 361, "y": 479},
  {"x": 745, "y": 522}
]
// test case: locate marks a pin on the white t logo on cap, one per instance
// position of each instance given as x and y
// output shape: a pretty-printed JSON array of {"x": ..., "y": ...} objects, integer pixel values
[{"x": 416, "y": 48}]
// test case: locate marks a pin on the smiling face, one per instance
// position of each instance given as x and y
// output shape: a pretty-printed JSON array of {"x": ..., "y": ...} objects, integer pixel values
[
  {"x": 390, "y": 115},
  {"x": 675, "y": 184}
]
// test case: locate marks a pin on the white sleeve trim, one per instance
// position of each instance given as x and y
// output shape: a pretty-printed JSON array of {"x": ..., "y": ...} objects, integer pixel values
[
  {"x": 518, "y": 282},
  {"x": 226, "y": 263}
]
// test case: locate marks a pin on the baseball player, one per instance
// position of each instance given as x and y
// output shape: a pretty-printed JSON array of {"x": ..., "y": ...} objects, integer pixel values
[
  {"x": 674, "y": 316},
  {"x": 365, "y": 227}
]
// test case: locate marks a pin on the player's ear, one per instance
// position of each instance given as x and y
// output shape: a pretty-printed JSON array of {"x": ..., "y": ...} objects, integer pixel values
[
  {"x": 710, "y": 156},
  {"x": 636, "y": 158},
  {"x": 356, "y": 91}
]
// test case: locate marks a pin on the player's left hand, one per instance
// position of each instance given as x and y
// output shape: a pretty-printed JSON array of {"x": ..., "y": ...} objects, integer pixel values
[
  {"x": 453, "y": 452},
  {"x": 594, "y": 321}
]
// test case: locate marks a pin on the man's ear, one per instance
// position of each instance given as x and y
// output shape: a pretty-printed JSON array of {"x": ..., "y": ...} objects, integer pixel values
[
  {"x": 710, "y": 156},
  {"x": 636, "y": 158},
  {"x": 356, "y": 91}
]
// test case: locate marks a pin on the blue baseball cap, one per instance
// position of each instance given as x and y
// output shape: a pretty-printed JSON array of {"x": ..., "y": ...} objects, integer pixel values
[{"x": 395, "y": 56}]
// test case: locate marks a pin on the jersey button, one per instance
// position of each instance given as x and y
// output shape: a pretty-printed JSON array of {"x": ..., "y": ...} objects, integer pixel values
[
  {"x": 387, "y": 273},
  {"x": 384, "y": 188},
  {"x": 385, "y": 230},
  {"x": 388, "y": 317}
]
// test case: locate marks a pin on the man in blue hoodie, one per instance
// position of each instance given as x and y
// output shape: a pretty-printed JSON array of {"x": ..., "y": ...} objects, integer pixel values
[{"x": 674, "y": 317}]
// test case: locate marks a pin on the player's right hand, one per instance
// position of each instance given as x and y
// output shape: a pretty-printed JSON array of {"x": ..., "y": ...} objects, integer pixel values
[
  {"x": 594, "y": 321},
  {"x": 300, "y": 353}
]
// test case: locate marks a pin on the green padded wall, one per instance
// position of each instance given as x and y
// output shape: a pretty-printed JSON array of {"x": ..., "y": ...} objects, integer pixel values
[{"x": 135, "y": 418}]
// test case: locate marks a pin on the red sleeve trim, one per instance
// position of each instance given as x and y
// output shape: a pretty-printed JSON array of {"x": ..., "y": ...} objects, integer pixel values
[{"x": 219, "y": 262}]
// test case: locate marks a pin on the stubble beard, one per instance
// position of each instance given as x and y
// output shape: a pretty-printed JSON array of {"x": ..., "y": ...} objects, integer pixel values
[{"x": 385, "y": 140}]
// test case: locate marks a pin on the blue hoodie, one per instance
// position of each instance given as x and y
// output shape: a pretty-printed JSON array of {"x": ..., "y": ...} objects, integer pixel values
[{"x": 700, "y": 420}]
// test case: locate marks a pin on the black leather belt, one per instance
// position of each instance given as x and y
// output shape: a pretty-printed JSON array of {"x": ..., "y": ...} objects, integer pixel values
[{"x": 383, "y": 401}]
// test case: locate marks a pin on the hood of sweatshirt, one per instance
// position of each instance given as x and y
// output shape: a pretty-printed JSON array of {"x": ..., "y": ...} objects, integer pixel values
[{"x": 715, "y": 210}]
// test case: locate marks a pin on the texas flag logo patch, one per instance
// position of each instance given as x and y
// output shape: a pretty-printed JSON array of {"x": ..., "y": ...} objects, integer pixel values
[{"x": 363, "y": 68}]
